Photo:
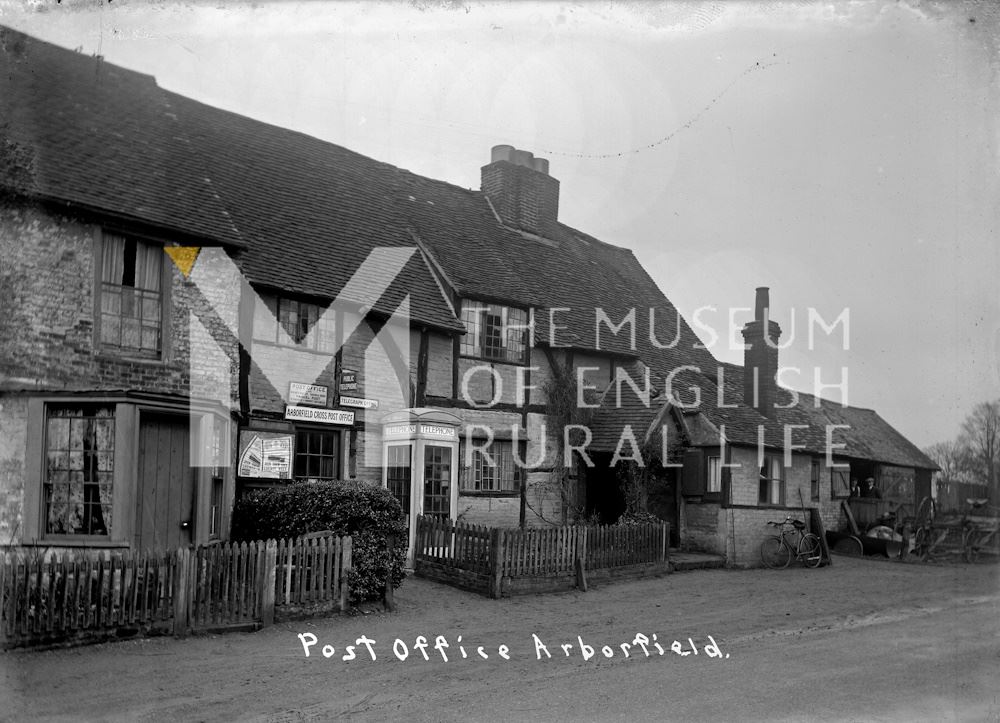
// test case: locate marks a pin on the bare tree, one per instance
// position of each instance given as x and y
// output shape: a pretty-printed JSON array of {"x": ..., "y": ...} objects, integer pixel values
[
  {"x": 954, "y": 461},
  {"x": 980, "y": 439}
]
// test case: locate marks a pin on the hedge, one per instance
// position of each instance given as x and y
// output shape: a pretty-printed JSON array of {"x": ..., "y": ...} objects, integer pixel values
[{"x": 366, "y": 512}]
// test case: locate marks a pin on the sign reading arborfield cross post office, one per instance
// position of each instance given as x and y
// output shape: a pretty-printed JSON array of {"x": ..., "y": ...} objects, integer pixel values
[{"x": 321, "y": 416}]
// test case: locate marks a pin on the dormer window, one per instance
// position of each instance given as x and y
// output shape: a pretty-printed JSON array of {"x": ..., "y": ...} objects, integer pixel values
[
  {"x": 495, "y": 332},
  {"x": 297, "y": 319}
]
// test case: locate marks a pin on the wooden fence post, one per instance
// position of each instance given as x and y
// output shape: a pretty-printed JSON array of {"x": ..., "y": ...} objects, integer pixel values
[
  {"x": 387, "y": 597},
  {"x": 182, "y": 590},
  {"x": 267, "y": 580},
  {"x": 665, "y": 531},
  {"x": 495, "y": 563},
  {"x": 345, "y": 591},
  {"x": 581, "y": 555}
]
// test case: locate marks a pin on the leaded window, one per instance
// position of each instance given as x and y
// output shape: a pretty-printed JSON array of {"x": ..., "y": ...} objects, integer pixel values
[
  {"x": 495, "y": 332},
  {"x": 79, "y": 474}
]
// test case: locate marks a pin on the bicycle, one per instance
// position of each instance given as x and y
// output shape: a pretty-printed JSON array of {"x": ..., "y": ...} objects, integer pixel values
[{"x": 777, "y": 551}]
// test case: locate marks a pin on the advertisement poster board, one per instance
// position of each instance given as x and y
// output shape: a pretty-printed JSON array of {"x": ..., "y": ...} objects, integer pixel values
[{"x": 265, "y": 455}]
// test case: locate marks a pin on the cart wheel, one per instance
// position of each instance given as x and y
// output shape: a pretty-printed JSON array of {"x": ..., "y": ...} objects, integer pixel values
[
  {"x": 849, "y": 546},
  {"x": 970, "y": 545},
  {"x": 922, "y": 543},
  {"x": 926, "y": 512}
]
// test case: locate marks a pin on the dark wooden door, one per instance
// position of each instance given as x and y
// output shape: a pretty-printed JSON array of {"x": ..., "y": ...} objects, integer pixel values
[{"x": 165, "y": 494}]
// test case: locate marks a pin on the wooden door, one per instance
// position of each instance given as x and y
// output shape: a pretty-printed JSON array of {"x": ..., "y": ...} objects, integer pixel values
[{"x": 165, "y": 491}]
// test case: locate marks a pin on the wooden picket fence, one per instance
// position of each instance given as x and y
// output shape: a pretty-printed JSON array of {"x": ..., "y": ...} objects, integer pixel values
[
  {"x": 64, "y": 595},
  {"x": 60, "y": 598},
  {"x": 500, "y": 561}
]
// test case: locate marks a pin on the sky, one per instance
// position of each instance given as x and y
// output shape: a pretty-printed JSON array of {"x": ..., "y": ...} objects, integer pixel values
[{"x": 843, "y": 154}]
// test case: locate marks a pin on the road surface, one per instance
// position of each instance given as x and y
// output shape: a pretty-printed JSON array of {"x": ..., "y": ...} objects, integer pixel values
[{"x": 861, "y": 640}]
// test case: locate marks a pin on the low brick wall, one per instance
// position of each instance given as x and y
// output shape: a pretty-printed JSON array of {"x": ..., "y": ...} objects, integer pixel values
[{"x": 745, "y": 528}]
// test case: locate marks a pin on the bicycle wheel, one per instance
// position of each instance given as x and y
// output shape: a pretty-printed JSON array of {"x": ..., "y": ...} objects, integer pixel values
[
  {"x": 775, "y": 553},
  {"x": 810, "y": 550}
]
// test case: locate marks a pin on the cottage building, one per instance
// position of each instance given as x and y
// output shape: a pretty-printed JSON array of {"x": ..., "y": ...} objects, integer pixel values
[{"x": 201, "y": 304}]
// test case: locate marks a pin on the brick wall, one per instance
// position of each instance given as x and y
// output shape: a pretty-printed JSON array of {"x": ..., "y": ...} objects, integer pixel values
[
  {"x": 745, "y": 484},
  {"x": 523, "y": 197},
  {"x": 700, "y": 528},
  {"x": 48, "y": 324}
]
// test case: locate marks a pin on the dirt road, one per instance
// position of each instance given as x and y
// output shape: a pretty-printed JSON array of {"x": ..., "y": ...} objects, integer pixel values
[{"x": 862, "y": 640}]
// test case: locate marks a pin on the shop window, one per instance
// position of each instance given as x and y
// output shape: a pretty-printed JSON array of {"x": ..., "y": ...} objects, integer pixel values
[
  {"x": 772, "y": 482},
  {"x": 492, "y": 469},
  {"x": 131, "y": 296},
  {"x": 297, "y": 319},
  {"x": 79, "y": 470},
  {"x": 495, "y": 332},
  {"x": 317, "y": 454}
]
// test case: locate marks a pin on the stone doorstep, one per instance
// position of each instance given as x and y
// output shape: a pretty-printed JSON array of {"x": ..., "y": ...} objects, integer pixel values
[{"x": 682, "y": 561}]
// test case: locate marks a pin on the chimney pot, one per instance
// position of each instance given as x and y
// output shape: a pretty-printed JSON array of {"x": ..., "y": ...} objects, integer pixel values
[
  {"x": 522, "y": 158},
  {"x": 501, "y": 153}
]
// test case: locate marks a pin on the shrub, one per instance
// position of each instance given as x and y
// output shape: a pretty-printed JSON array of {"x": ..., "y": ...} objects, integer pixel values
[{"x": 366, "y": 512}]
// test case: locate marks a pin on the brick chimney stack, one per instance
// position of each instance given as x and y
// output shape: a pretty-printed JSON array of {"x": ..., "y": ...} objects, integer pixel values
[
  {"x": 521, "y": 190},
  {"x": 760, "y": 359}
]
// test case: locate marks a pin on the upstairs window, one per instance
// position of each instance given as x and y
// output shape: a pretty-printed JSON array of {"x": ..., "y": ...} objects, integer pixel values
[
  {"x": 492, "y": 469},
  {"x": 297, "y": 318},
  {"x": 495, "y": 332},
  {"x": 131, "y": 295}
]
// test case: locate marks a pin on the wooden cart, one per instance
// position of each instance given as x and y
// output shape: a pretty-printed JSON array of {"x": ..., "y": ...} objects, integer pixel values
[{"x": 971, "y": 533}]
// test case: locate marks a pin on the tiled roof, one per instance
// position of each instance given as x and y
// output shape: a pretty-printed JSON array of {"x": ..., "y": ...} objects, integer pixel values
[
  {"x": 865, "y": 434},
  {"x": 101, "y": 137},
  {"x": 310, "y": 212},
  {"x": 568, "y": 272}
]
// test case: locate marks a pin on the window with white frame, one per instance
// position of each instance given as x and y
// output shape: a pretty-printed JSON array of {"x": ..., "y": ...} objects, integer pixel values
[
  {"x": 131, "y": 295},
  {"x": 714, "y": 475},
  {"x": 772, "y": 482},
  {"x": 399, "y": 474},
  {"x": 494, "y": 332},
  {"x": 298, "y": 319},
  {"x": 489, "y": 468}
]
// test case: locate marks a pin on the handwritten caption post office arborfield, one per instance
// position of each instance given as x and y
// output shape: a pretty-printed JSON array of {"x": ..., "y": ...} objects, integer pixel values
[{"x": 440, "y": 647}]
